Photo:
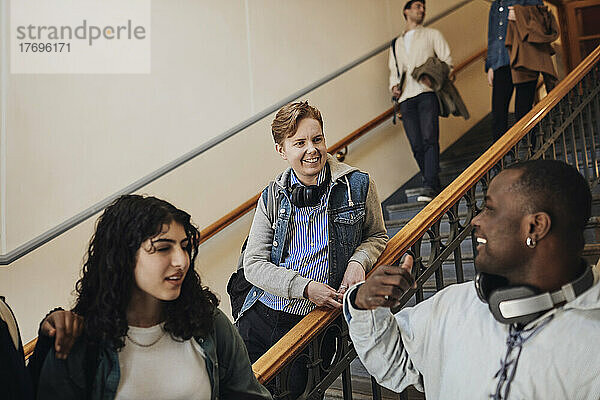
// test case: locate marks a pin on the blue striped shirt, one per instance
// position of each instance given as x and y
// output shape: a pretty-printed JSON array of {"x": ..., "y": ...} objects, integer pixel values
[{"x": 307, "y": 250}]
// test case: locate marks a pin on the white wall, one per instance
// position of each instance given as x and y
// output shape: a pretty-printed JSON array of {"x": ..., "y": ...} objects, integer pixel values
[{"x": 74, "y": 139}]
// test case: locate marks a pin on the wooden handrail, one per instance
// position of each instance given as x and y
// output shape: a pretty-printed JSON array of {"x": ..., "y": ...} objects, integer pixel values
[
  {"x": 310, "y": 326},
  {"x": 28, "y": 348},
  {"x": 250, "y": 204}
]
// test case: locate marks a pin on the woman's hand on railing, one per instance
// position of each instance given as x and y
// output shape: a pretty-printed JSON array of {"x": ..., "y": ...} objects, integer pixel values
[
  {"x": 323, "y": 295},
  {"x": 354, "y": 273},
  {"x": 65, "y": 327},
  {"x": 385, "y": 286}
]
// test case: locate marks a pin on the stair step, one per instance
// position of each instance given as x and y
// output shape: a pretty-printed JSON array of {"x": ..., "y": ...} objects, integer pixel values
[
  {"x": 406, "y": 211},
  {"x": 462, "y": 160},
  {"x": 361, "y": 386},
  {"x": 401, "y": 216}
]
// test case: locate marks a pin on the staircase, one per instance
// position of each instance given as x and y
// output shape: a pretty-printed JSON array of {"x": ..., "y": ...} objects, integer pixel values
[{"x": 401, "y": 206}]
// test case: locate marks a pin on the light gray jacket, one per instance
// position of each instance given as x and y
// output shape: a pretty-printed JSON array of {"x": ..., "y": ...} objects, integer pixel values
[
  {"x": 262, "y": 273},
  {"x": 451, "y": 347}
]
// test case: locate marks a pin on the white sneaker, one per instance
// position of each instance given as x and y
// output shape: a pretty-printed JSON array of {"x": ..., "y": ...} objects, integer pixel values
[
  {"x": 427, "y": 196},
  {"x": 424, "y": 198}
]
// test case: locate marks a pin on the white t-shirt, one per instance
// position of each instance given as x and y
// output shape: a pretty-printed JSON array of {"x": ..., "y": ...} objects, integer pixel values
[
  {"x": 411, "y": 84},
  {"x": 168, "y": 369},
  {"x": 413, "y": 48},
  {"x": 408, "y": 39}
]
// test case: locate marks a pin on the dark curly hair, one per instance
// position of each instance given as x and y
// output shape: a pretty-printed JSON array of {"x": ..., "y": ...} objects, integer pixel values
[{"x": 104, "y": 290}]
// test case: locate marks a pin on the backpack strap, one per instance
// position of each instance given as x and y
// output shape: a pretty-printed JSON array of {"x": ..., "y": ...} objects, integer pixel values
[
  {"x": 400, "y": 78},
  {"x": 393, "y": 45},
  {"x": 8, "y": 317},
  {"x": 272, "y": 202}
]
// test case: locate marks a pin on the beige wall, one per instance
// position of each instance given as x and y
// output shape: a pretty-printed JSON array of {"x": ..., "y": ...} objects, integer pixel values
[{"x": 74, "y": 139}]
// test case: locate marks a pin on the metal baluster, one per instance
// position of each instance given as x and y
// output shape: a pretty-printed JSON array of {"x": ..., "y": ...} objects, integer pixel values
[
  {"x": 315, "y": 362},
  {"x": 573, "y": 140},
  {"x": 282, "y": 383},
  {"x": 586, "y": 159},
  {"x": 595, "y": 126},
  {"x": 403, "y": 395},
  {"x": 515, "y": 150},
  {"x": 439, "y": 278},
  {"x": 376, "y": 389},
  {"x": 541, "y": 133},
  {"x": 540, "y": 137},
  {"x": 436, "y": 243},
  {"x": 454, "y": 222},
  {"x": 418, "y": 267},
  {"x": 458, "y": 265},
  {"x": 551, "y": 126},
  {"x": 347, "y": 383},
  {"x": 567, "y": 129},
  {"x": 593, "y": 134},
  {"x": 562, "y": 134},
  {"x": 527, "y": 137}
]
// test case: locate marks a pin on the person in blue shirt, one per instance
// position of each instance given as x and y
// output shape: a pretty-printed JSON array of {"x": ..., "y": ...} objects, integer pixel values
[
  {"x": 327, "y": 233},
  {"x": 497, "y": 65}
]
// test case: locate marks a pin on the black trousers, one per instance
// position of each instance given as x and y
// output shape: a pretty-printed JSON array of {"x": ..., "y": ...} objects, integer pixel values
[
  {"x": 261, "y": 327},
  {"x": 502, "y": 90},
  {"x": 421, "y": 124}
]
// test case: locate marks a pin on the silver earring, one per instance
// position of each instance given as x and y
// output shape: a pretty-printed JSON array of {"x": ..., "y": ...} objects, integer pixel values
[{"x": 531, "y": 243}]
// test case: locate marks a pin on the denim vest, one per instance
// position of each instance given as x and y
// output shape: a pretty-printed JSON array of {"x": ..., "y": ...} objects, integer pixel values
[
  {"x": 346, "y": 219},
  {"x": 497, "y": 54}
]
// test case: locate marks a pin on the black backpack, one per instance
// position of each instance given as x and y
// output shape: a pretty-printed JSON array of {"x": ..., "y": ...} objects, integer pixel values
[{"x": 237, "y": 286}]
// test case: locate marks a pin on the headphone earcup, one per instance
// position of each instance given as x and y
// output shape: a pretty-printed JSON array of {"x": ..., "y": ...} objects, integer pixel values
[
  {"x": 485, "y": 284},
  {"x": 310, "y": 196},
  {"x": 298, "y": 196},
  {"x": 305, "y": 196},
  {"x": 511, "y": 293}
]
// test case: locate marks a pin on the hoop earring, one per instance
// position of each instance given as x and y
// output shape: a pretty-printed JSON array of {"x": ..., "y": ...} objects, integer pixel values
[{"x": 531, "y": 243}]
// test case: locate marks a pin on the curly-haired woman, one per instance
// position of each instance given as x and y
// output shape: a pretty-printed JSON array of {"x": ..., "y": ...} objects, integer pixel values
[{"x": 151, "y": 330}]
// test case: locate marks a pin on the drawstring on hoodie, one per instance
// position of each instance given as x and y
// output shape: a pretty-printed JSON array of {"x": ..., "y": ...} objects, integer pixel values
[
  {"x": 508, "y": 368},
  {"x": 350, "y": 202}
]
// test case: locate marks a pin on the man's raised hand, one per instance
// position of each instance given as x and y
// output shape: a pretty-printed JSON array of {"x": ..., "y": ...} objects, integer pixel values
[{"x": 385, "y": 285}]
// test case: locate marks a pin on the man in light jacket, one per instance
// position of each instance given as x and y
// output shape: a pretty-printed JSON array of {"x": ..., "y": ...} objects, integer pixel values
[
  {"x": 418, "y": 103},
  {"x": 527, "y": 328},
  {"x": 328, "y": 231}
]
